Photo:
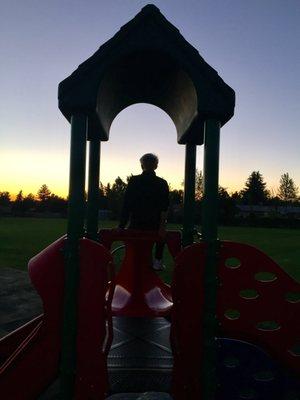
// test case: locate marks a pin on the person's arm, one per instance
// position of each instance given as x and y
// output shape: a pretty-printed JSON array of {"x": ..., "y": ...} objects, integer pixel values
[{"x": 126, "y": 208}]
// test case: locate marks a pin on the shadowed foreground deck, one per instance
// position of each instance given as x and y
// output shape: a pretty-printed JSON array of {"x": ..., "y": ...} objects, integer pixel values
[{"x": 140, "y": 359}]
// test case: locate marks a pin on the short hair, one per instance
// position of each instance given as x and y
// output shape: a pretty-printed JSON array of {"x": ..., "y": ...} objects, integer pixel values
[{"x": 149, "y": 157}]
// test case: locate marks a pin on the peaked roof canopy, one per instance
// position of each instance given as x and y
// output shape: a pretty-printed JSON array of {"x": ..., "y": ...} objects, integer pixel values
[{"x": 147, "y": 61}]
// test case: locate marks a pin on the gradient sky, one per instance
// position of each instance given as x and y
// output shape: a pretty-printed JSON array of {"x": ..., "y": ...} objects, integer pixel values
[{"x": 254, "y": 45}]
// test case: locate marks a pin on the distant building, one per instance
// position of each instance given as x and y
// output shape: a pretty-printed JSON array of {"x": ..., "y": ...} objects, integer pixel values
[{"x": 268, "y": 211}]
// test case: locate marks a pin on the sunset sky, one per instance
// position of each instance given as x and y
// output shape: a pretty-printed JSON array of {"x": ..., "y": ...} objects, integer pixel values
[{"x": 254, "y": 46}]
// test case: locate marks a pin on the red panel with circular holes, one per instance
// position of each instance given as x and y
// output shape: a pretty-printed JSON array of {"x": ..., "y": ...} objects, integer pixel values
[{"x": 257, "y": 301}]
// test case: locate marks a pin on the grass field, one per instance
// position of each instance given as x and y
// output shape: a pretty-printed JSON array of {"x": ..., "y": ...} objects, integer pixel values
[{"x": 22, "y": 238}]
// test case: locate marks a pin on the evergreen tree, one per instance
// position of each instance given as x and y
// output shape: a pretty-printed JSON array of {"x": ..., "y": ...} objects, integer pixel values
[
  {"x": 237, "y": 197},
  {"x": 227, "y": 208},
  {"x": 287, "y": 189},
  {"x": 44, "y": 193},
  {"x": 57, "y": 204},
  {"x": 102, "y": 197},
  {"x": 18, "y": 207},
  {"x": 176, "y": 196},
  {"x": 20, "y": 197},
  {"x": 115, "y": 196},
  {"x": 255, "y": 191},
  {"x": 4, "y": 199},
  {"x": 175, "y": 206},
  {"x": 107, "y": 190},
  {"x": 29, "y": 202},
  {"x": 199, "y": 185},
  {"x": 119, "y": 186}
]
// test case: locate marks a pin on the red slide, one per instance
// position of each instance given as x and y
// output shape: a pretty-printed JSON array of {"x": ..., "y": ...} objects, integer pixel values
[
  {"x": 31, "y": 353},
  {"x": 139, "y": 291}
]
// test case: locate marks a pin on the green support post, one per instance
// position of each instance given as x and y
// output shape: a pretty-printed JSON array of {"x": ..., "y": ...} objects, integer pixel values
[
  {"x": 210, "y": 237},
  {"x": 75, "y": 231},
  {"x": 93, "y": 190},
  {"x": 189, "y": 194}
]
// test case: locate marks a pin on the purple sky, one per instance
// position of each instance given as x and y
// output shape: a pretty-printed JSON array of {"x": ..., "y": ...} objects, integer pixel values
[{"x": 253, "y": 45}]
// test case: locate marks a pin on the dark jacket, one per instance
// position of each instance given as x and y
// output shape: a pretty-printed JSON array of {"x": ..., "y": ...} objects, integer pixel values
[{"x": 146, "y": 197}]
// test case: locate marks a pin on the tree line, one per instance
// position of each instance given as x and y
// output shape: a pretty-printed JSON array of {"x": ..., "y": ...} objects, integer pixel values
[{"x": 255, "y": 192}]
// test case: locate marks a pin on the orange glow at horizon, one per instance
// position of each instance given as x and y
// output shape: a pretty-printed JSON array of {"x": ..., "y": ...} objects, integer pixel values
[
  {"x": 34, "y": 169},
  {"x": 28, "y": 168}
]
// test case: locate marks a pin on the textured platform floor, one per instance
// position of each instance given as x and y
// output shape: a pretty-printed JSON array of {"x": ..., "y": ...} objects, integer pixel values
[{"x": 140, "y": 358}]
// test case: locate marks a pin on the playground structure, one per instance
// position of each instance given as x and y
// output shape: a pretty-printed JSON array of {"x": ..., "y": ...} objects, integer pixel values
[{"x": 234, "y": 327}]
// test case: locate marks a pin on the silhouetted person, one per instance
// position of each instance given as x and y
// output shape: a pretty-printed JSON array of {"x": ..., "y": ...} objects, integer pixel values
[{"x": 146, "y": 204}]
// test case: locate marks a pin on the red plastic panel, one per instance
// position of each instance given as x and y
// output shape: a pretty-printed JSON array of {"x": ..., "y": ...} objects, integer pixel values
[
  {"x": 94, "y": 321},
  {"x": 257, "y": 302},
  {"x": 139, "y": 290},
  {"x": 33, "y": 365},
  {"x": 265, "y": 301},
  {"x": 186, "y": 328}
]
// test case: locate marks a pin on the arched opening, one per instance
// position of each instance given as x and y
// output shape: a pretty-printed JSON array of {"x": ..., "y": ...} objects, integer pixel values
[
  {"x": 148, "y": 76},
  {"x": 140, "y": 129}
]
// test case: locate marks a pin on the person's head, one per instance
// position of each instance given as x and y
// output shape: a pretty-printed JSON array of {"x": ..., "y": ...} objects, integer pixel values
[{"x": 149, "y": 162}]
